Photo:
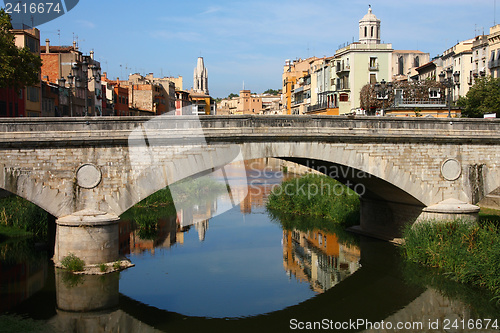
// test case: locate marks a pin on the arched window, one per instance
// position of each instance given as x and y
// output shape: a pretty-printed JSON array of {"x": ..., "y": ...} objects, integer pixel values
[
  {"x": 401, "y": 66},
  {"x": 366, "y": 31},
  {"x": 372, "y": 32}
]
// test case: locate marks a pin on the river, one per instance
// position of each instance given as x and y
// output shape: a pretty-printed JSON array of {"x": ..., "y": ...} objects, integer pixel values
[{"x": 226, "y": 265}]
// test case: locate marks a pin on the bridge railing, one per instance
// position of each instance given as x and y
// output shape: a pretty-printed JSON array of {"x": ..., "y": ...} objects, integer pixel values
[{"x": 109, "y": 126}]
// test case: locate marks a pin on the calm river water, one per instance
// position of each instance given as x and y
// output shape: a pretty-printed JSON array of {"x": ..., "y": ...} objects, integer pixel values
[{"x": 226, "y": 265}]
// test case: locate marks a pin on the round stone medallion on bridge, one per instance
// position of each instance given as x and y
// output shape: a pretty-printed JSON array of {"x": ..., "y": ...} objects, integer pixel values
[
  {"x": 451, "y": 169},
  {"x": 88, "y": 176}
]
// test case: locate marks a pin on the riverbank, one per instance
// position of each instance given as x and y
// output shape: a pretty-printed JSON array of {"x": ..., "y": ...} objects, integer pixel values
[
  {"x": 467, "y": 253},
  {"x": 21, "y": 218}
]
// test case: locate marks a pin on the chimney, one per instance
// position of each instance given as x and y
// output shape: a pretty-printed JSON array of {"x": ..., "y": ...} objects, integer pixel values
[
  {"x": 92, "y": 54},
  {"x": 74, "y": 45},
  {"x": 47, "y": 45}
]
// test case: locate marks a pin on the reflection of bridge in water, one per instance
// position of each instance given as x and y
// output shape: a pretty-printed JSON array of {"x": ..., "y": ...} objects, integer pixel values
[{"x": 375, "y": 292}]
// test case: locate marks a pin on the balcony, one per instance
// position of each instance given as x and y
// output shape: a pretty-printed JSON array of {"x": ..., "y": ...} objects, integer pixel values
[
  {"x": 412, "y": 102},
  {"x": 345, "y": 68},
  {"x": 493, "y": 63},
  {"x": 320, "y": 106}
]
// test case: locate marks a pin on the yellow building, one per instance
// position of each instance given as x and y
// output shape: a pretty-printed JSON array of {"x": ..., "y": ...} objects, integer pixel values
[{"x": 293, "y": 71}]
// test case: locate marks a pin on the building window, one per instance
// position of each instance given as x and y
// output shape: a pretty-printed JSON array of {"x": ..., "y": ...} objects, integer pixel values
[
  {"x": 372, "y": 32},
  {"x": 366, "y": 32},
  {"x": 32, "y": 44},
  {"x": 434, "y": 93},
  {"x": 401, "y": 66},
  {"x": 416, "y": 62},
  {"x": 33, "y": 94},
  {"x": 373, "y": 78},
  {"x": 373, "y": 63}
]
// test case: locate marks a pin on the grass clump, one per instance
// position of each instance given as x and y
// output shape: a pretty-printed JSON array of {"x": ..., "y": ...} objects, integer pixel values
[
  {"x": 19, "y": 218},
  {"x": 15, "y": 323},
  {"x": 316, "y": 196},
  {"x": 117, "y": 265},
  {"x": 103, "y": 267},
  {"x": 468, "y": 253},
  {"x": 72, "y": 263}
]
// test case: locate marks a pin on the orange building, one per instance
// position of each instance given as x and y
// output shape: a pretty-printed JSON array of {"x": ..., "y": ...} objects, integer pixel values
[
  {"x": 202, "y": 103},
  {"x": 249, "y": 104}
]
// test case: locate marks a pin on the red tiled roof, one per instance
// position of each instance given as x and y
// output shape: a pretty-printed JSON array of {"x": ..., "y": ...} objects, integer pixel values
[{"x": 57, "y": 49}]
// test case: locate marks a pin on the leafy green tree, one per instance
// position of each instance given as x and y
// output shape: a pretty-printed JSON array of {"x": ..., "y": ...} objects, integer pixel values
[
  {"x": 482, "y": 98},
  {"x": 271, "y": 92},
  {"x": 18, "y": 67},
  {"x": 232, "y": 95}
]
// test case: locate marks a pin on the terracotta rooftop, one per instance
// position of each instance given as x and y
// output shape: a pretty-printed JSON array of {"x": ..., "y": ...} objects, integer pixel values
[
  {"x": 407, "y": 51},
  {"x": 58, "y": 49}
]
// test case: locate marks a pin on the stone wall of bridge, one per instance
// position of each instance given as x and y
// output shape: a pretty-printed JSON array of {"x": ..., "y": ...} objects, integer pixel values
[
  {"x": 94, "y": 167},
  {"x": 48, "y": 176}
]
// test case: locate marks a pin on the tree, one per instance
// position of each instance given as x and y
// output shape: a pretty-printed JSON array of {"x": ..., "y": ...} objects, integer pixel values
[
  {"x": 271, "y": 92},
  {"x": 18, "y": 67},
  {"x": 410, "y": 90},
  {"x": 232, "y": 95},
  {"x": 482, "y": 98}
]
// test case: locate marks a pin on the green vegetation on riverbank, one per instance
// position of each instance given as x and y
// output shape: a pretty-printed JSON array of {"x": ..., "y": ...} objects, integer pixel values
[
  {"x": 21, "y": 218},
  {"x": 467, "y": 253},
  {"x": 316, "y": 196},
  {"x": 186, "y": 191}
]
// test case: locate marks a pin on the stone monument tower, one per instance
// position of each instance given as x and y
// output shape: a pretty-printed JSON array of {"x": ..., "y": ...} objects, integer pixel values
[
  {"x": 200, "y": 78},
  {"x": 369, "y": 28}
]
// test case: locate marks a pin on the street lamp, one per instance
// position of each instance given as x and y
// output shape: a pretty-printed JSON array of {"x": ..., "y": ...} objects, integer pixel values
[
  {"x": 383, "y": 90},
  {"x": 70, "y": 82},
  {"x": 62, "y": 83},
  {"x": 95, "y": 74},
  {"x": 449, "y": 80}
]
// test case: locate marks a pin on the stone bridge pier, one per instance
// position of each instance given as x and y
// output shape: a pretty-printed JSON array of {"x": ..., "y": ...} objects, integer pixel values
[{"x": 88, "y": 171}]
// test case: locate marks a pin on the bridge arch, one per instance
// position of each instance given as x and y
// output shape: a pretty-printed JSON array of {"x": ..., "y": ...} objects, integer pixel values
[
  {"x": 403, "y": 159},
  {"x": 392, "y": 193}
]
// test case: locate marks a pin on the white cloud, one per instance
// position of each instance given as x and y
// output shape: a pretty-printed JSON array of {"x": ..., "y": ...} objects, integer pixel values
[{"x": 86, "y": 24}]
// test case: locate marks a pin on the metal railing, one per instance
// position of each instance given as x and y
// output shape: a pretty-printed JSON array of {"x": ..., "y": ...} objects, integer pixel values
[
  {"x": 414, "y": 101},
  {"x": 320, "y": 106}
]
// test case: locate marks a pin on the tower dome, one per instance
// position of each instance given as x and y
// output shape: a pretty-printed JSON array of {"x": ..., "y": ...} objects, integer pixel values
[{"x": 369, "y": 28}]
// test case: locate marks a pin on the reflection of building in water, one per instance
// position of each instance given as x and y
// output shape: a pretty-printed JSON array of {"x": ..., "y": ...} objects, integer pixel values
[
  {"x": 124, "y": 231},
  {"x": 263, "y": 175},
  {"x": 20, "y": 281},
  {"x": 166, "y": 233},
  {"x": 201, "y": 228},
  {"x": 169, "y": 231},
  {"x": 318, "y": 258},
  {"x": 194, "y": 213}
]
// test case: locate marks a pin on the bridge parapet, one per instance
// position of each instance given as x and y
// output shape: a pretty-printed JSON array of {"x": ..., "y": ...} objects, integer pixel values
[
  {"x": 72, "y": 165},
  {"x": 116, "y": 130}
]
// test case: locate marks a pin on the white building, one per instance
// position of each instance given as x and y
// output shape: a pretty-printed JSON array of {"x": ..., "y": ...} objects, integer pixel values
[{"x": 200, "y": 78}]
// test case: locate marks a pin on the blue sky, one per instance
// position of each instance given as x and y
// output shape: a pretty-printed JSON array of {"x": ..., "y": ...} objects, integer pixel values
[{"x": 248, "y": 41}]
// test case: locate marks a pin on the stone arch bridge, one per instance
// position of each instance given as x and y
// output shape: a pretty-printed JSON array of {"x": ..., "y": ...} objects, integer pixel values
[{"x": 88, "y": 171}]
